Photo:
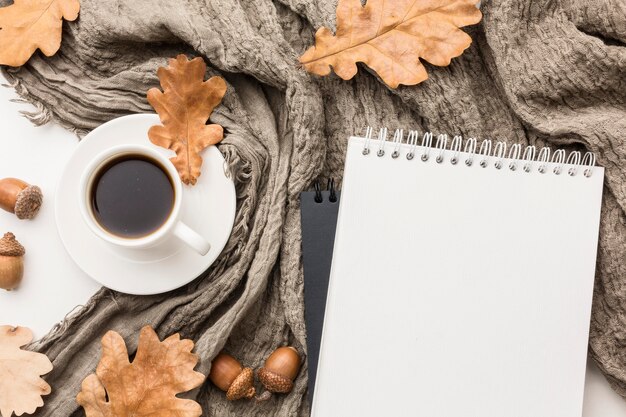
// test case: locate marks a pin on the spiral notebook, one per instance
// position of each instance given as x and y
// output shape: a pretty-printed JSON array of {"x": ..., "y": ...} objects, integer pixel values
[
  {"x": 319, "y": 211},
  {"x": 461, "y": 280}
]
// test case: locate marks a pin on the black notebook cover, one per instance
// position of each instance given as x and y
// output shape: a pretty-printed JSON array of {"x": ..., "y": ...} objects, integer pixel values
[{"x": 319, "y": 221}]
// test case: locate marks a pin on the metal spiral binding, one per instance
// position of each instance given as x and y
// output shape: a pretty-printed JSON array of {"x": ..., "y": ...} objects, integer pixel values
[
  {"x": 455, "y": 147},
  {"x": 529, "y": 157},
  {"x": 318, "y": 192},
  {"x": 500, "y": 153},
  {"x": 470, "y": 148},
  {"x": 332, "y": 196},
  {"x": 442, "y": 144},
  {"x": 397, "y": 140}
]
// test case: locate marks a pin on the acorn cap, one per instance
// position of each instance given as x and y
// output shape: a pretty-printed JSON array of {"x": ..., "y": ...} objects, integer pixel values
[
  {"x": 9, "y": 246},
  {"x": 274, "y": 382},
  {"x": 28, "y": 202},
  {"x": 242, "y": 386}
]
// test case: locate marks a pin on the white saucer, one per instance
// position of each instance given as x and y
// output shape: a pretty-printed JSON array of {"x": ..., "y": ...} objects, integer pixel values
[{"x": 208, "y": 208}]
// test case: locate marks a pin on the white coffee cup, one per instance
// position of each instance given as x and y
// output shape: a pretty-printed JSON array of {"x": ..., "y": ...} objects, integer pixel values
[{"x": 172, "y": 227}]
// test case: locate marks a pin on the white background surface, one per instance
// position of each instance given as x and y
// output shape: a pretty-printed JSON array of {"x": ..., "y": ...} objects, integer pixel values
[{"x": 54, "y": 286}]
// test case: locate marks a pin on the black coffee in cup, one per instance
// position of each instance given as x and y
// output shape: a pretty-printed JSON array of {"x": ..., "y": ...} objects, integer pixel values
[{"x": 132, "y": 196}]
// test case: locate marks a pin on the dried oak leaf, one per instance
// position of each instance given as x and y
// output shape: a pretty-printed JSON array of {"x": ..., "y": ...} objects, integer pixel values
[
  {"x": 21, "y": 387},
  {"x": 146, "y": 387},
  {"x": 390, "y": 37},
  {"x": 184, "y": 107},
  {"x": 28, "y": 25}
]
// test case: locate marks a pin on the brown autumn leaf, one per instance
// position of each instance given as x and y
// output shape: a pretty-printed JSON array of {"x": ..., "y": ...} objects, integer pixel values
[
  {"x": 21, "y": 387},
  {"x": 184, "y": 107},
  {"x": 390, "y": 37},
  {"x": 28, "y": 25},
  {"x": 148, "y": 385}
]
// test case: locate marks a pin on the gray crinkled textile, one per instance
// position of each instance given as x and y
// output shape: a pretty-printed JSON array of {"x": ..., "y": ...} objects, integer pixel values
[{"x": 538, "y": 72}]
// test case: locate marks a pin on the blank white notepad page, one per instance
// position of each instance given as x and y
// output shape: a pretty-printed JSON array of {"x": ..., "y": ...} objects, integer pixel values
[{"x": 458, "y": 291}]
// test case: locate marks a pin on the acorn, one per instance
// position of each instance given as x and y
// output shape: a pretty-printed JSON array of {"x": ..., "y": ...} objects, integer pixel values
[
  {"x": 229, "y": 376},
  {"x": 279, "y": 372},
  {"x": 11, "y": 262},
  {"x": 19, "y": 197}
]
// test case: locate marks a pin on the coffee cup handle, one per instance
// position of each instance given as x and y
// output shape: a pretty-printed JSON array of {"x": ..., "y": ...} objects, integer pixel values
[{"x": 191, "y": 238}]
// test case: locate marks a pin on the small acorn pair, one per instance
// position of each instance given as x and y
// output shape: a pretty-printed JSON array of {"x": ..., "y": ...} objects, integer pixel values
[
  {"x": 277, "y": 375},
  {"x": 23, "y": 200}
]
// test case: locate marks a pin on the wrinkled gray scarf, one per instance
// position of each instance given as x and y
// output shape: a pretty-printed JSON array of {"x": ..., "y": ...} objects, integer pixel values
[{"x": 538, "y": 72}]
